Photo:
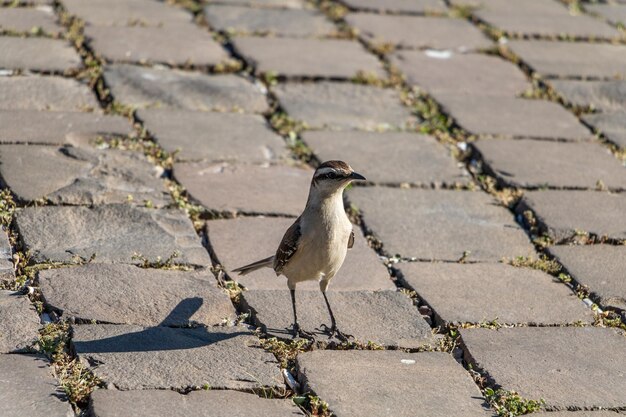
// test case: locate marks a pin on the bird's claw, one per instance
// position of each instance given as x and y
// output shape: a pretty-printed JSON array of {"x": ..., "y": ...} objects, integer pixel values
[
  {"x": 333, "y": 331},
  {"x": 298, "y": 332}
]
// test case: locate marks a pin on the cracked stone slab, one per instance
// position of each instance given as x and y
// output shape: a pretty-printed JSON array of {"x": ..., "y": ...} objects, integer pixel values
[
  {"x": 7, "y": 270},
  {"x": 410, "y": 6},
  {"x": 363, "y": 314},
  {"x": 127, "y": 13},
  {"x": 45, "y": 93},
  {"x": 81, "y": 176},
  {"x": 160, "y": 403},
  {"x": 564, "y": 214},
  {"x": 238, "y": 188},
  {"x": 28, "y": 388},
  {"x": 475, "y": 293},
  {"x": 149, "y": 87},
  {"x": 326, "y": 58},
  {"x": 328, "y": 105},
  {"x": 612, "y": 125},
  {"x": 135, "y": 357},
  {"x": 244, "y": 240},
  {"x": 531, "y": 163},
  {"x": 19, "y": 323},
  {"x": 284, "y": 22},
  {"x": 126, "y": 294},
  {"x": 513, "y": 117},
  {"x": 217, "y": 137},
  {"x": 402, "y": 157},
  {"x": 540, "y": 363},
  {"x": 384, "y": 383},
  {"x": 614, "y": 13},
  {"x": 29, "y": 20},
  {"x": 440, "y": 224},
  {"x": 418, "y": 31},
  {"x": 600, "y": 267},
  {"x": 38, "y": 54},
  {"x": 114, "y": 233},
  {"x": 599, "y": 95}
]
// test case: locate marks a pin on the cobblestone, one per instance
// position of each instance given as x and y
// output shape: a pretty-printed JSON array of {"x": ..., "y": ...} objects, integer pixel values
[
  {"x": 614, "y": 13},
  {"x": 7, "y": 271},
  {"x": 613, "y": 125},
  {"x": 599, "y": 95},
  {"x": 45, "y": 93},
  {"x": 38, "y": 54},
  {"x": 287, "y": 4},
  {"x": 399, "y": 6},
  {"x": 19, "y": 323},
  {"x": 26, "y": 20},
  {"x": 126, "y": 13}
]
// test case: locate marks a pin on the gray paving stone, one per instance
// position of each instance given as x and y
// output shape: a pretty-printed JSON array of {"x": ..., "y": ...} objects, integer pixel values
[
  {"x": 531, "y": 163},
  {"x": 127, "y": 13},
  {"x": 81, "y": 176},
  {"x": 148, "y": 87},
  {"x": 614, "y": 13},
  {"x": 114, "y": 233},
  {"x": 233, "y": 188},
  {"x": 414, "y": 6},
  {"x": 601, "y": 267},
  {"x": 134, "y": 357},
  {"x": 461, "y": 74},
  {"x": 45, "y": 93},
  {"x": 19, "y": 323},
  {"x": 284, "y": 22},
  {"x": 7, "y": 271},
  {"x": 612, "y": 125},
  {"x": 513, "y": 117},
  {"x": 28, "y": 20},
  {"x": 473, "y": 293},
  {"x": 563, "y": 214},
  {"x": 344, "y": 106},
  {"x": 594, "y": 413},
  {"x": 287, "y": 4},
  {"x": 440, "y": 224},
  {"x": 540, "y": 362},
  {"x": 384, "y": 383},
  {"x": 217, "y": 137},
  {"x": 418, "y": 31},
  {"x": 25, "y": 2},
  {"x": 600, "y": 95},
  {"x": 38, "y": 54},
  {"x": 325, "y": 58},
  {"x": 401, "y": 157},
  {"x": 27, "y": 388},
  {"x": 160, "y": 403},
  {"x": 572, "y": 59},
  {"x": 126, "y": 294}
]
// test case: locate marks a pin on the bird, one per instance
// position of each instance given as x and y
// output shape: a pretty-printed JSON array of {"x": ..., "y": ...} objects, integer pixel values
[{"x": 315, "y": 245}]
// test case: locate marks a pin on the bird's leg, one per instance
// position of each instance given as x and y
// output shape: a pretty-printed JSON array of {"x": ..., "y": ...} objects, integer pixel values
[
  {"x": 297, "y": 331},
  {"x": 333, "y": 324}
]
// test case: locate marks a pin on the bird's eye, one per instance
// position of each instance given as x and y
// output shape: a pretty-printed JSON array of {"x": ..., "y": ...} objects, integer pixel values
[{"x": 332, "y": 176}]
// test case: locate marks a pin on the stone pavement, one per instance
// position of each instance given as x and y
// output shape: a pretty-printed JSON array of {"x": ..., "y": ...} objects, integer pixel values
[{"x": 149, "y": 147}]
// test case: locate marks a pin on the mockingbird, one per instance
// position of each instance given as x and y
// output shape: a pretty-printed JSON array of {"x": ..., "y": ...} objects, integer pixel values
[{"x": 315, "y": 245}]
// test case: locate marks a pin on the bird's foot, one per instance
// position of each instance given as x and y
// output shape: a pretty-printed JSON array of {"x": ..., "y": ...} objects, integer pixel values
[
  {"x": 333, "y": 331},
  {"x": 298, "y": 332}
]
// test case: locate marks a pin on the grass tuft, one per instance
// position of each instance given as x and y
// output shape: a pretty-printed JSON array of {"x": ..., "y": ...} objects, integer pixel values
[{"x": 510, "y": 403}]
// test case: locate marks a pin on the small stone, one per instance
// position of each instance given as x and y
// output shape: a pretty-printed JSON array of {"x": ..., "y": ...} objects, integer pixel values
[
  {"x": 19, "y": 323},
  {"x": 415, "y": 6},
  {"x": 127, "y": 13},
  {"x": 45, "y": 93},
  {"x": 613, "y": 125},
  {"x": 38, "y": 54},
  {"x": 27, "y": 20},
  {"x": 602, "y": 95},
  {"x": 7, "y": 271}
]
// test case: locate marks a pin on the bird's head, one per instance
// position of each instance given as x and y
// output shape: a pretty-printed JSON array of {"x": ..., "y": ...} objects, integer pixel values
[{"x": 333, "y": 176}]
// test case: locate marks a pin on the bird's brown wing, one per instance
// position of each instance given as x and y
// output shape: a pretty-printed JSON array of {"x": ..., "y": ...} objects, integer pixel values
[
  {"x": 288, "y": 246},
  {"x": 351, "y": 239}
]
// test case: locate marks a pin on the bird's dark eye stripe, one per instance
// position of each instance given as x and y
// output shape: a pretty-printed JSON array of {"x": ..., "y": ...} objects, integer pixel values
[{"x": 334, "y": 176}]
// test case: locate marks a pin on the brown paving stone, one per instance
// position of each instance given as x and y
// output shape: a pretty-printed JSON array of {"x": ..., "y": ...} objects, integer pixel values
[
  {"x": 214, "y": 136},
  {"x": 566, "y": 366},
  {"x": 27, "y": 20},
  {"x": 344, "y": 106},
  {"x": 418, "y": 31},
  {"x": 19, "y": 323},
  {"x": 614, "y": 13},
  {"x": 474, "y": 293},
  {"x": 440, "y": 224},
  {"x": 243, "y": 240},
  {"x": 38, "y": 54},
  {"x": 401, "y": 157},
  {"x": 531, "y": 163},
  {"x": 612, "y": 125},
  {"x": 134, "y": 357},
  {"x": 127, "y": 13},
  {"x": 384, "y": 383},
  {"x": 562, "y": 214},
  {"x": 326, "y": 58},
  {"x": 223, "y": 187},
  {"x": 7, "y": 270},
  {"x": 414, "y": 6},
  {"x": 599, "y": 95},
  {"x": 148, "y": 87},
  {"x": 45, "y": 93}
]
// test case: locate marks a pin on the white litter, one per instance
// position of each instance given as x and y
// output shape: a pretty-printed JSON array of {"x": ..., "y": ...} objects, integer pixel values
[
  {"x": 407, "y": 361},
  {"x": 432, "y": 53}
]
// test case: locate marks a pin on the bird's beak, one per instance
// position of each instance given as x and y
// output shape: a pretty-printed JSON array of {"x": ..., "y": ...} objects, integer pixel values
[{"x": 357, "y": 176}]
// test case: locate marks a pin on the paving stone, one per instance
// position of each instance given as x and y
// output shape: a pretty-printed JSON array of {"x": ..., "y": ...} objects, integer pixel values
[
  {"x": 418, "y": 31},
  {"x": 114, "y": 233},
  {"x": 160, "y": 403},
  {"x": 181, "y": 44},
  {"x": 223, "y": 187},
  {"x": 513, "y": 117},
  {"x": 287, "y": 4},
  {"x": 148, "y": 87},
  {"x": 25, "y": 2},
  {"x": 531, "y": 163},
  {"x": 401, "y": 157},
  {"x": 461, "y": 74},
  {"x": 326, "y": 58},
  {"x": 127, "y": 13},
  {"x": 414, "y": 6},
  {"x": 135, "y": 357},
  {"x": 344, "y": 106},
  {"x": 614, "y": 13},
  {"x": 384, "y": 383},
  {"x": 474, "y": 293},
  {"x": 214, "y": 136},
  {"x": 126, "y": 294},
  {"x": 440, "y": 224},
  {"x": 602, "y": 95},
  {"x": 562, "y": 214},
  {"x": 612, "y": 125},
  {"x": 27, "y": 388},
  {"x": 59, "y": 128},
  {"x": 7, "y": 271},
  {"x": 81, "y": 176},
  {"x": 601, "y": 267},
  {"x": 19, "y": 323},
  {"x": 594, "y": 413},
  {"x": 45, "y": 93},
  {"x": 38, "y": 54},
  {"x": 28, "y": 20},
  {"x": 541, "y": 363},
  {"x": 572, "y": 59},
  {"x": 285, "y": 22}
]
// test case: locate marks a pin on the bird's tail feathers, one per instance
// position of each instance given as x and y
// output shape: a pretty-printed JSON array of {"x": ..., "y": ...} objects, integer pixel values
[{"x": 267, "y": 262}]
